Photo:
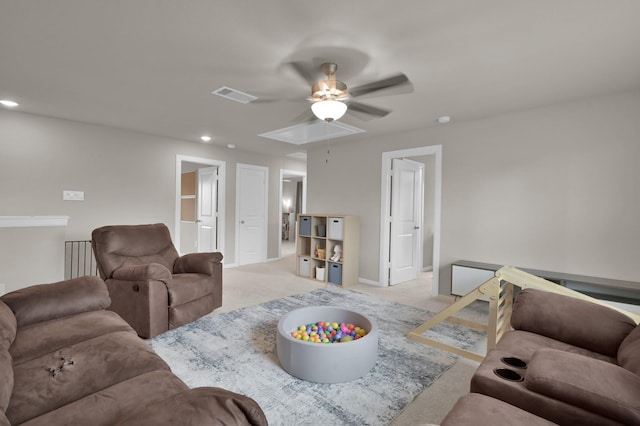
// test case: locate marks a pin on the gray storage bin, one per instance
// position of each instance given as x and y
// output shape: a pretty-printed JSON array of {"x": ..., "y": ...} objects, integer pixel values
[
  {"x": 305, "y": 266},
  {"x": 335, "y": 273},
  {"x": 336, "y": 228},
  {"x": 305, "y": 225}
]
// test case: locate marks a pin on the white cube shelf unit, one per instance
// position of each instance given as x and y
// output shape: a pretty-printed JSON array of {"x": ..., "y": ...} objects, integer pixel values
[{"x": 317, "y": 236}]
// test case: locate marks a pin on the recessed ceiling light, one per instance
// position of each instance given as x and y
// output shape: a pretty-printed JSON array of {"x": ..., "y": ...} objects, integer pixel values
[
  {"x": 444, "y": 119},
  {"x": 8, "y": 103},
  {"x": 231, "y": 146},
  {"x": 205, "y": 138}
]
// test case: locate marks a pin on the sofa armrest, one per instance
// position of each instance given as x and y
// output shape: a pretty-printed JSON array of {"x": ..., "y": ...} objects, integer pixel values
[
  {"x": 597, "y": 386},
  {"x": 570, "y": 320},
  {"x": 200, "y": 406},
  {"x": 45, "y": 302},
  {"x": 145, "y": 272},
  {"x": 201, "y": 263}
]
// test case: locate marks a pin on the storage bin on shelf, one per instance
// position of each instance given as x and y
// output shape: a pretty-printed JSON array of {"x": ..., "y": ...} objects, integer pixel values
[
  {"x": 335, "y": 273},
  {"x": 304, "y": 266}
]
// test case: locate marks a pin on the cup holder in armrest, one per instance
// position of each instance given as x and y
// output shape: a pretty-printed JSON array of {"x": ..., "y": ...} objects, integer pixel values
[
  {"x": 514, "y": 362},
  {"x": 507, "y": 374}
]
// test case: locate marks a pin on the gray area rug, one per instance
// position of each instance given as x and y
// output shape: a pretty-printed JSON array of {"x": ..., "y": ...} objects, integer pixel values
[{"x": 236, "y": 351}]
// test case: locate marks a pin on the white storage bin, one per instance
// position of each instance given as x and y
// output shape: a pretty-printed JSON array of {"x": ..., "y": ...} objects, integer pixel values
[
  {"x": 336, "y": 228},
  {"x": 320, "y": 273},
  {"x": 305, "y": 266}
]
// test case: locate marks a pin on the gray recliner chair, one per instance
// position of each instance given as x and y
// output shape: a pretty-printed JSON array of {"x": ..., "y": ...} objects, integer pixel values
[{"x": 150, "y": 285}]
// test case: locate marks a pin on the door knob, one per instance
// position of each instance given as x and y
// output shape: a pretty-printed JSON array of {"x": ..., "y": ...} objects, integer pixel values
[
  {"x": 416, "y": 227},
  {"x": 242, "y": 222}
]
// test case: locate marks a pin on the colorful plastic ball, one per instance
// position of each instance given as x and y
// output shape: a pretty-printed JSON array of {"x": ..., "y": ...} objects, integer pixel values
[{"x": 328, "y": 332}]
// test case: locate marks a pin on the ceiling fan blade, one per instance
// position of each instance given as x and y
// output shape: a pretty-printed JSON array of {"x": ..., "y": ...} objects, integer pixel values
[
  {"x": 369, "y": 110},
  {"x": 386, "y": 83},
  {"x": 304, "y": 71}
]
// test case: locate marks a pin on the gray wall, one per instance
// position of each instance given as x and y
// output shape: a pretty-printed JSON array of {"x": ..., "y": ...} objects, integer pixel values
[
  {"x": 551, "y": 188},
  {"x": 127, "y": 177}
]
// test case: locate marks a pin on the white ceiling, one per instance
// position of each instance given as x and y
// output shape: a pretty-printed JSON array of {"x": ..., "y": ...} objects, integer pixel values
[{"x": 150, "y": 65}]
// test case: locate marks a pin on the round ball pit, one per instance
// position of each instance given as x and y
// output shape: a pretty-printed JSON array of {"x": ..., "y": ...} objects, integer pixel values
[{"x": 324, "y": 362}]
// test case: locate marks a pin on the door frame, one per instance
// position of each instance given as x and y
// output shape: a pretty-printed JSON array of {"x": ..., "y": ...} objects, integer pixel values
[
  {"x": 221, "y": 197},
  {"x": 284, "y": 172},
  {"x": 265, "y": 232},
  {"x": 385, "y": 203}
]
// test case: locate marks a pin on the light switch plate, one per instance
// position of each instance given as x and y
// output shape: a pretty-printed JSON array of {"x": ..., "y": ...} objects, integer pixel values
[{"x": 73, "y": 195}]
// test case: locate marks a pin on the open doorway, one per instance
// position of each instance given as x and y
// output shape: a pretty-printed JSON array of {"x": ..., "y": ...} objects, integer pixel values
[
  {"x": 293, "y": 200},
  {"x": 200, "y": 201},
  {"x": 426, "y": 224}
]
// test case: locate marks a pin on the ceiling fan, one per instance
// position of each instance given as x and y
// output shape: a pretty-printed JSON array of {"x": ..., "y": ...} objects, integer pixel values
[{"x": 331, "y": 98}]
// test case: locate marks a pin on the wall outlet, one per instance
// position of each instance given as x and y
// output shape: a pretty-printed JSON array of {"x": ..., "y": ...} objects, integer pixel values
[{"x": 73, "y": 195}]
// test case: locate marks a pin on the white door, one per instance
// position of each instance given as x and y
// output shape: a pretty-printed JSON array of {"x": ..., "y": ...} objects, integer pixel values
[
  {"x": 207, "y": 209},
  {"x": 406, "y": 219},
  {"x": 251, "y": 209}
]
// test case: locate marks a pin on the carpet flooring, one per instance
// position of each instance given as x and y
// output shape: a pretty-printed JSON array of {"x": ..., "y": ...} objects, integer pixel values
[{"x": 236, "y": 351}]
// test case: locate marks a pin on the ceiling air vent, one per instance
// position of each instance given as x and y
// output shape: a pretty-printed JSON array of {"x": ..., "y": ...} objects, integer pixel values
[{"x": 234, "y": 95}]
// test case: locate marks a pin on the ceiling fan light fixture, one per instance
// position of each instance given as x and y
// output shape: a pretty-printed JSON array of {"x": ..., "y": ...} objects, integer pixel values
[
  {"x": 329, "y": 110},
  {"x": 328, "y": 89}
]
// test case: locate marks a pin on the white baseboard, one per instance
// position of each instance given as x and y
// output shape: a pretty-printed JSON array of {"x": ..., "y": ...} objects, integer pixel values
[
  {"x": 228, "y": 265},
  {"x": 427, "y": 268},
  {"x": 370, "y": 282}
]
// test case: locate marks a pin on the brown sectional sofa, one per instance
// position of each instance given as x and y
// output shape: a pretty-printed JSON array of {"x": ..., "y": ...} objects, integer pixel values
[
  {"x": 581, "y": 365},
  {"x": 65, "y": 359}
]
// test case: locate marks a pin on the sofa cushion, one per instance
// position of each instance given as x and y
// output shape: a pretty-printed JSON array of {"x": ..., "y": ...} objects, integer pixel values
[
  {"x": 187, "y": 287},
  {"x": 147, "y": 271},
  {"x": 6, "y": 379},
  {"x": 44, "y": 384},
  {"x": 57, "y": 300},
  {"x": 474, "y": 408},
  {"x": 599, "y": 387},
  {"x": 191, "y": 311},
  {"x": 35, "y": 340},
  {"x": 629, "y": 352},
  {"x": 570, "y": 320},
  {"x": 523, "y": 344},
  {"x": 107, "y": 406},
  {"x": 120, "y": 245},
  {"x": 487, "y": 382},
  {"x": 7, "y": 335},
  {"x": 200, "y": 406},
  {"x": 8, "y": 326}
]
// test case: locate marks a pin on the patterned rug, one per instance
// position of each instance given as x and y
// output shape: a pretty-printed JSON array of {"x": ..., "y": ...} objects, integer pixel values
[{"x": 236, "y": 351}]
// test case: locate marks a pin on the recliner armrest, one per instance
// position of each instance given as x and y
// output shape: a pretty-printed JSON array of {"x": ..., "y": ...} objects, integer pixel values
[
  {"x": 201, "y": 263},
  {"x": 570, "y": 320},
  {"x": 597, "y": 386},
  {"x": 148, "y": 271},
  {"x": 45, "y": 302}
]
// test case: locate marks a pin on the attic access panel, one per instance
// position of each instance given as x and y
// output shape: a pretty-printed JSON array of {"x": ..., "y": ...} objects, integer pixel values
[{"x": 312, "y": 131}]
